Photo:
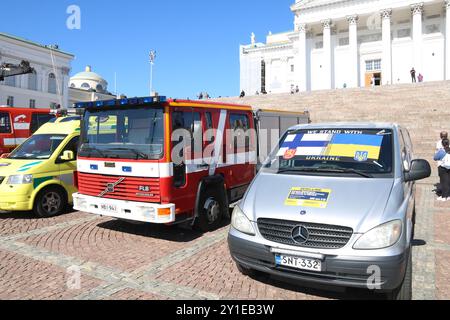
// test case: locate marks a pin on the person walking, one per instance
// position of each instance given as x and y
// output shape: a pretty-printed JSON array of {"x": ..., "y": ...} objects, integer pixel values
[
  {"x": 413, "y": 75},
  {"x": 443, "y": 158},
  {"x": 242, "y": 95}
]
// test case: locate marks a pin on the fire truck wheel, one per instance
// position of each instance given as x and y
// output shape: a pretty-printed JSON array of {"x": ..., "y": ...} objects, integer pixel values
[
  {"x": 211, "y": 211},
  {"x": 50, "y": 202}
]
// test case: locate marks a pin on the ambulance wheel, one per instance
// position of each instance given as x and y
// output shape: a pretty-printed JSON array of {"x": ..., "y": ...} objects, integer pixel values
[
  {"x": 210, "y": 211},
  {"x": 50, "y": 202}
]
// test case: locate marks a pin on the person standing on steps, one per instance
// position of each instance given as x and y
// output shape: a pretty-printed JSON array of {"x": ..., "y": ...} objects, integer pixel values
[
  {"x": 443, "y": 159},
  {"x": 413, "y": 75},
  {"x": 242, "y": 94},
  {"x": 439, "y": 145},
  {"x": 420, "y": 78}
]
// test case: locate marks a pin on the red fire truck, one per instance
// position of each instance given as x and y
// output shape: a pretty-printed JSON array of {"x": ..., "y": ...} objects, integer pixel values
[
  {"x": 169, "y": 161},
  {"x": 17, "y": 124}
]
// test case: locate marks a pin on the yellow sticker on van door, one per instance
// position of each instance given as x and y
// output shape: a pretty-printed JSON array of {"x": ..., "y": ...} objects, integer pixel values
[{"x": 308, "y": 197}]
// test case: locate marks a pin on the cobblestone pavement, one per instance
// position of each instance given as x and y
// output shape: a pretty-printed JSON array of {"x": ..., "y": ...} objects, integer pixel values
[{"x": 40, "y": 258}]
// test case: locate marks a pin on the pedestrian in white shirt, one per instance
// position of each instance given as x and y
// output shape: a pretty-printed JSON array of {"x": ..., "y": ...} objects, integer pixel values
[
  {"x": 443, "y": 158},
  {"x": 444, "y": 135}
]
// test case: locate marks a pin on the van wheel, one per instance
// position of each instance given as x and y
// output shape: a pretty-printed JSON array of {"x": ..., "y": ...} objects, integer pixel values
[
  {"x": 210, "y": 211},
  {"x": 50, "y": 202},
  {"x": 404, "y": 292}
]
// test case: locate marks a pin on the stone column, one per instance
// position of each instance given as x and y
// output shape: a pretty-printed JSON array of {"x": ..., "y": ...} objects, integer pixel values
[
  {"x": 353, "y": 44},
  {"x": 417, "y": 10},
  {"x": 447, "y": 40},
  {"x": 302, "y": 72},
  {"x": 386, "y": 61},
  {"x": 327, "y": 54}
]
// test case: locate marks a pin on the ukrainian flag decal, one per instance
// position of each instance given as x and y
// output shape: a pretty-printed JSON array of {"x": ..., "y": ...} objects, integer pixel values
[{"x": 349, "y": 146}]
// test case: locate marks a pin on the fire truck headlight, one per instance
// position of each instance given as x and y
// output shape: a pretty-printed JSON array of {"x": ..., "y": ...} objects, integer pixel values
[
  {"x": 20, "y": 179},
  {"x": 240, "y": 222}
]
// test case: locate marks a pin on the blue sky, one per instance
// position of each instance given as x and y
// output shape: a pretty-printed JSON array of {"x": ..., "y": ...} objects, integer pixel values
[{"x": 197, "y": 41}]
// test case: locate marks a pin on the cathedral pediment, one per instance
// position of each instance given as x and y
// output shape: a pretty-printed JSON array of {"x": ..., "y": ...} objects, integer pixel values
[{"x": 308, "y": 4}]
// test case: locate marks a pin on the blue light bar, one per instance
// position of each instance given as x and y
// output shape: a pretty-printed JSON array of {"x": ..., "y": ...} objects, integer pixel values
[{"x": 121, "y": 102}]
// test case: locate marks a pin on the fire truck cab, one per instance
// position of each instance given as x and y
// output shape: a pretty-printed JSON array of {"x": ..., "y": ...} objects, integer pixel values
[
  {"x": 17, "y": 124},
  {"x": 164, "y": 161}
]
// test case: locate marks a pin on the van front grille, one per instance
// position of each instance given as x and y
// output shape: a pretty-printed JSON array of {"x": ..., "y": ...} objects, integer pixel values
[{"x": 320, "y": 236}]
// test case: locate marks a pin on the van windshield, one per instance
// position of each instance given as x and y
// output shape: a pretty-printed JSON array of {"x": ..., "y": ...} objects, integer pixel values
[
  {"x": 40, "y": 146},
  {"x": 125, "y": 133},
  {"x": 364, "y": 152}
]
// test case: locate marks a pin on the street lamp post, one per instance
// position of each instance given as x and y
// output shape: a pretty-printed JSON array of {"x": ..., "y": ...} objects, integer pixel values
[{"x": 152, "y": 62}]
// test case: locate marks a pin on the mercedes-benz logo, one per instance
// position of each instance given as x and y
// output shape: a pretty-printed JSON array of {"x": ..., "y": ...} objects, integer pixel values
[{"x": 300, "y": 234}]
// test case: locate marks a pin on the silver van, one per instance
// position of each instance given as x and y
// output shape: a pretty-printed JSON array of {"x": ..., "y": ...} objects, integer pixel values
[{"x": 333, "y": 204}]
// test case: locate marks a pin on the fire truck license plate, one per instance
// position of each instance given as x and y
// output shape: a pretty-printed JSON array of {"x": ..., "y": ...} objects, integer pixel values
[{"x": 109, "y": 208}]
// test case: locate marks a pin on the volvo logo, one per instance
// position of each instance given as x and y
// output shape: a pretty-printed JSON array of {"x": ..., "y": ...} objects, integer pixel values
[
  {"x": 110, "y": 187},
  {"x": 300, "y": 234}
]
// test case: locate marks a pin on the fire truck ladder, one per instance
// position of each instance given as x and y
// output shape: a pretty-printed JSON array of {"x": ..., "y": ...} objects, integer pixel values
[{"x": 10, "y": 70}]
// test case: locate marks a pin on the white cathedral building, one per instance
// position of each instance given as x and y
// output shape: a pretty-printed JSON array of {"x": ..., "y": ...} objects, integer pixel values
[{"x": 351, "y": 43}]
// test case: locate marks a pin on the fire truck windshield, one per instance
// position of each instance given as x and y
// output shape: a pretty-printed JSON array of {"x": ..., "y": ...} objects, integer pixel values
[{"x": 125, "y": 133}]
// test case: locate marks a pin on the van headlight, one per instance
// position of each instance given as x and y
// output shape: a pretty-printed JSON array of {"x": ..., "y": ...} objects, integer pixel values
[
  {"x": 381, "y": 237},
  {"x": 20, "y": 179},
  {"x": 240, "y": 222}
]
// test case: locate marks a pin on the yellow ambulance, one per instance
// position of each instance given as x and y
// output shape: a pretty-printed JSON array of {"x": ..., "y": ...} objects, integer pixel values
[{"x": 39, "y": 174}]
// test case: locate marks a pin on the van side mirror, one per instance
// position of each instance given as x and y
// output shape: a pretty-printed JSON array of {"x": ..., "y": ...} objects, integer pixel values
[
  {"x": 420, "y": 169},
  {"x": 68, "y": 156}
]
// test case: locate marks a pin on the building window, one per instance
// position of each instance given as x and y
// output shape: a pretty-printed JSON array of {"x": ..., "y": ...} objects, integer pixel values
[
  {"x": 86, "y": 86},
  {"x": 53, "y": 105},
  {"x": 377, "y": 64},
  {"x": 99, "y": 88},
  {"x": 319, "y": 45},
  {"x": 404, "y": 33},
  {"x": 373, "y": 65},
  {"x": 433, "y": 28},
  {"x": 344, "y": 41},
  {"x": 10, "y": 81},
  {"x": 370, "y": 38},
  {"x": 32, "y": 103},
  {"x": 52, "y": 83},
  {"x": 32, "y": 81},
  {"x": 263, "y": 77},
  {"x": 10, "y": 101}
]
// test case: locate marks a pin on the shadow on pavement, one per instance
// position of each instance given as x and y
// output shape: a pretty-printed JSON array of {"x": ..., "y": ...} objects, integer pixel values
[
  {"x": 17, "y": 215},
  {"x": 327, "y": 292},
  {"x": 163, "y": 232}
]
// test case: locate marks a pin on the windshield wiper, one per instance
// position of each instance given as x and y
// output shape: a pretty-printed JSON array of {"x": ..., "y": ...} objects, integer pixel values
[
  {"x": 139, "y": 154},
  {"x": 326, "y": 170},
  {"x": 90, "y": 149}
]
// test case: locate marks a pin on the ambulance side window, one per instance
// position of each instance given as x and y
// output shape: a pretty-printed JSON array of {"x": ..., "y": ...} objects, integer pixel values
[
  {"x": 71, "y": 146},
  {"x": 5, "y": 123}
]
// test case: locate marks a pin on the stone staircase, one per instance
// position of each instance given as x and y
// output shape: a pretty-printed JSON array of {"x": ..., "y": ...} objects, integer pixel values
[{"x": 422, "y": 108}]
